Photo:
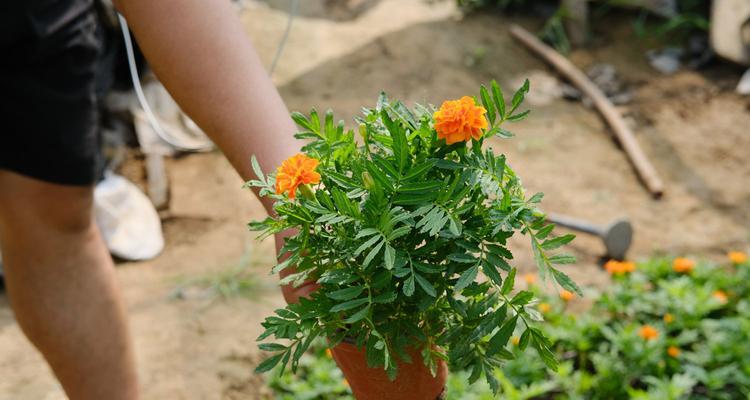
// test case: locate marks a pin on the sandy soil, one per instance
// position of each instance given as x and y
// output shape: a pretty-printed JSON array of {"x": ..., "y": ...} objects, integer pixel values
[{"x": 192, "y": 345}]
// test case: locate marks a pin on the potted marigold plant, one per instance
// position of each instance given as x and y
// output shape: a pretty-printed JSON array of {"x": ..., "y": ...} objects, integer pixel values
[{"x": 405, "y": 231}]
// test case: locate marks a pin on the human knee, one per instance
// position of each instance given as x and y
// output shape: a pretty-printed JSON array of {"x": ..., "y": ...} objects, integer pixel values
[{"x": 34, "y": 205}]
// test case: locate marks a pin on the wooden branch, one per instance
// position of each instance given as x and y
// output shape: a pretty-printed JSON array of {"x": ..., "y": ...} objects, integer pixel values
[{"x": 622, "y": 132}]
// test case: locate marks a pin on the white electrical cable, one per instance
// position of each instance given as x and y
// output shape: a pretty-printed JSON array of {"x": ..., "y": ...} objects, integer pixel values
[
  {"x": 292, "y": 13},
  {"x": 155, "y": 125},
  {"x": 152, "y": 120}
]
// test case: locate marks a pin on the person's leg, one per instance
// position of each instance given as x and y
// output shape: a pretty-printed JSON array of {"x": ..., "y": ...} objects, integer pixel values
[{"x": 61, "y": 284}]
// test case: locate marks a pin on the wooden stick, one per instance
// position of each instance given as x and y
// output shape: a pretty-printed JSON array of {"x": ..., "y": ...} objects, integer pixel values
[{"x": 622, "y": 132}]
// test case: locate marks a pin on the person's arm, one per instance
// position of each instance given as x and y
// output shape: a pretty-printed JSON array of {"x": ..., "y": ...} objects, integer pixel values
[{"x": 201, "y": 53}]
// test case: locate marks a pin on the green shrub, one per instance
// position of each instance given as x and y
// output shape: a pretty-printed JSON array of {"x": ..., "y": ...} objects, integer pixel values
[{"x": 655, "y": 333}]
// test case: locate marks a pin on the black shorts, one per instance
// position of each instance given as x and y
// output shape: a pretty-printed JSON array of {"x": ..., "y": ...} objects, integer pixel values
[{"x": 48, "y": 110}]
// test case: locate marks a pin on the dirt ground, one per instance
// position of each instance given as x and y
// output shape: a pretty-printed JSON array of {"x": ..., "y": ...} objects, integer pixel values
[{"x": 194, "y": 345}]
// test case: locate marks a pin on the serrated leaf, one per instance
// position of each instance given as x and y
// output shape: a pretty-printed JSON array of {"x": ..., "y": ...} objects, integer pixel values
[
  {"x": 519, "y": 95},
  {"x": 347, "y": 293},
  {"x": 509, "y": 282},
  {"x": 256, "y": 169},
  {"x": 386, "y": 297},
  {"x": 560, "y": 259},
  {"x": 544, "y": 232},
  {"x": 466, "y": 278},
  {"x": 366, "y": 245},
  {"x": 366, "y": 232},
  {"x": 426, "y": 285},
  {"x": 500, "y": 339},
  {"x": 497, "y": 98},
  {"x": 348, "y": 305},
  {"x": 491, "y": 272},
  {"x": 269, "y": 363},
  {"x": 519, "y": 117},
  {"x": 522, "y": 298},
  {"x": 559, "y": 241},
  {"x": 272, "y": 347},
  {"x": 372, "y": 254},
  {"x": 488, "y": 105},
  {"x": 390, "y": 256},
  {"x": 409, "y": 286},
  {"x": 358, "y": 316},
  {"x": 462, "y": 258},
  {"x": 566, "y": 282}
]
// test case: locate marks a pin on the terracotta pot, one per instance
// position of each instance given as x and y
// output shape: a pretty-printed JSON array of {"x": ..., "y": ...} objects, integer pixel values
[{"x": 414, "y": 380}]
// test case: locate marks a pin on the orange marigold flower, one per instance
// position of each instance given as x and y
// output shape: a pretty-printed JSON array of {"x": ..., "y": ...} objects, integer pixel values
[
  {"x": 683, "y": 265},
  {"x": 328, "y": 353},
  {"x": 628, "y": 266},
  {"x": 668, "y": 318},
  {"x": 673, "y": 351},
  {"x": 460, "y": 120},
  {"x": 530, "y": 279},
  {"x": 345, "y": 382},
  {"x": 721, "y": 296},
  {"x": 648, "y": 332},
  {"x": 566, "y": 295},
  {"x": 737, "y": 257},
  {"x": 515, "y": 340},
  {"x": 545, "y": 307},
  {"x": 296, "y": 170}
]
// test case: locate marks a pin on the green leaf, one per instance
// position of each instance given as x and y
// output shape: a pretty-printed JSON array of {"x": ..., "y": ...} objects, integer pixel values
[
  {"x": 256, "y": 169},
  {"x": 269, "y": 363},
  {"x": 498, "y": 261},
  {"x": 566, "y": 282},
  {"x": 372, "y": 254},
  {"x": 386, "y": 297},
  {"x": 522, "y": 298},
  {"x": 524, "y": 341},
  {"x": 366, "y": 232},
  {"x": 366, "y": 245},
  {"x": 519, "y": 117},
  {"x": 409, "y": 286},
  {"x": 544, "y": 232},
  {"x": 559, "y": 241},
  {"x": 466, "y": 278},
  {"x": 500, "y": 339},
  {"x": 497, "y": 97},
  {"x": 492, "y": 272},
  {"x": 358, "y": 316},
  {"x": 390, "y": 256},
  {"x": 519, "y": 96},
  {"x": 329, "y": 130},
  {"x": 419, "y": 170},
  {"x": 509, "y": 282},
  {"x": 348, "y": 305},
  {"x": 560, "y": 259},
  {"x": 426, "y": 285},
  {"x": 347, "y": 293},
  {"x": 544, "y": 352},
  {"x": 273, "y": 347},
  {"x": 488, "y": 105},
  {"x": 462, "y": 258}
]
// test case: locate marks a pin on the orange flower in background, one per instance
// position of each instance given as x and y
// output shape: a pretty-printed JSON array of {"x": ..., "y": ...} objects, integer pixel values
[
  {"x": 673, "y": 351},
  {"x": 615, "y": 267},
  {"x": 668, "y": 318},
  {"x": 683, "y": 265},
  {"x": 737, "y": 257},
  {"x": 567, "y": 295},
  {"x": 628, "y": 266},
  {"x": 296, "y": 170},
  {"x": 530, "y": 279},
  {"x": 545, "y": 307},
  {"x": 648, "y": 332},
  {"x": 460, "y": 120},
  {"x": 515, "y": 340},
  {"x": 328, "y": 353},
  {"x": 721, "y": 296}
]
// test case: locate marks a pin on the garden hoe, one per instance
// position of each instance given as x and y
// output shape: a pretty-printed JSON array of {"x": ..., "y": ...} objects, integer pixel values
[{"x": 616, "y": 236}]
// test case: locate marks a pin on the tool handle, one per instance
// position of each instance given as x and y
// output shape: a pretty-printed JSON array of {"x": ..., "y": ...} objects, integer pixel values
[{"x": 577, "y": 224}]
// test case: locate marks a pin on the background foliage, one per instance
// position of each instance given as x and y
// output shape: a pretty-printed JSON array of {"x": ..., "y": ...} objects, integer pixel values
[{"x": 604, "y": 356}]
